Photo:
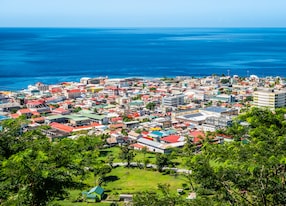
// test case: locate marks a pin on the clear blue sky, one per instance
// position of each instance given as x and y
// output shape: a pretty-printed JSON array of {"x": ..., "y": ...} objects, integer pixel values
[{"x": 142, "y": 13}]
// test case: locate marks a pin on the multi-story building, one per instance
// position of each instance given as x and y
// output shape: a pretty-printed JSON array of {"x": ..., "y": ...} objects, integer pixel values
[
  {"x": 173, "y": 101},
  {"x": 269, "y": 98},
  {"x": 72, "y": 93}
]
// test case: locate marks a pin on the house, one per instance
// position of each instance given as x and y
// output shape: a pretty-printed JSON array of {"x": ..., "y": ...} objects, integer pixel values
[
  {"x": 60, "y": 111},
  {"x": 61, "y": 127},
  {"x": 132, "y": 135},
  {"x": 153, "y": 146},
  {"x": 131, "y": 124},
  {"x": 137, "y": 146},
  {"x": 38, "y": 106},
  {"x": 78, "y": 120},
  {"x": 7, "y": 107},
  {"x": 94, "y": 195},
  {"x": 26, "y": 112},
  {"x": 197, "y": 136},
  {"x": 72, "y": 93}
]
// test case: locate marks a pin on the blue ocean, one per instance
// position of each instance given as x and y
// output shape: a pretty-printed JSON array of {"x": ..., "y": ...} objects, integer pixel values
[{"x": 53, "y": 55}]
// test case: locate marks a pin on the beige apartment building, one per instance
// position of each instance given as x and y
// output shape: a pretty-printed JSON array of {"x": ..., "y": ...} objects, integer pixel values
[{"x": 269, "y": 98}]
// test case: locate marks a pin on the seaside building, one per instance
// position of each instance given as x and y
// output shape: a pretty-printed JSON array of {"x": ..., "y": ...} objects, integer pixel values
[
  {"x": 269, "y": 98},
  {"x": 173, "y": 101}
]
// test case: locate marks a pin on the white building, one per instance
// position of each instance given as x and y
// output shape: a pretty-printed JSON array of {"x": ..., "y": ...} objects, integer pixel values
[
  {"x": 173, "y": 101},
  {"x": 269, "y": 98}
]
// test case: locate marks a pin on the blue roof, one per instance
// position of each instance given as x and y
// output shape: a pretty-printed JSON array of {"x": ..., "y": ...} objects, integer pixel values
[
  {"x": 3, "y": 117},
  {"x": 171, "y": 131},
  {"x": 216, "y": 109},
  {"x": 160, "y": 134},
  {"x": 193, "y": 115}
]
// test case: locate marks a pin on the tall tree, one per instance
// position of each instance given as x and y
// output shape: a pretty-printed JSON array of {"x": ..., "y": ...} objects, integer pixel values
[
  {"x": 126, "y": 154},
  {"x": 162, "y": 160}
]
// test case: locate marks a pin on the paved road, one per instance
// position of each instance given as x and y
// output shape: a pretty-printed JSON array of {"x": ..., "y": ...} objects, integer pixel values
[{"x": 135, "y": 164}]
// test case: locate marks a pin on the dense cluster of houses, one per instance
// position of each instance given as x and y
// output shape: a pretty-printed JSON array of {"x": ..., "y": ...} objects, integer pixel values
[{"x": 157, "y": 114}]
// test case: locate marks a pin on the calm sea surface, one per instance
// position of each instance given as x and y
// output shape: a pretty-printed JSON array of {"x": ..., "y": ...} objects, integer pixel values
[{"x": 29, "y": 55}]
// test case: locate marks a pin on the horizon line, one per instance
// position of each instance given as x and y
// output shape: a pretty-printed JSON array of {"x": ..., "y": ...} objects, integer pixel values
[{"x": 143, "y": 27}]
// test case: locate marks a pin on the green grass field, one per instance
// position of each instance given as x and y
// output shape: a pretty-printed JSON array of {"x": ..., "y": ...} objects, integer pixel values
[
  {"x": 127, "y": 181},
  {"x": 134, "y": 180}
]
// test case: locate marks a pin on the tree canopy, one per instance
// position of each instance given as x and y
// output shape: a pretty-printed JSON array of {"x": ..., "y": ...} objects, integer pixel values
[
  {"x": 245, "y": 173},
  {"x": 35, "y": 171}
]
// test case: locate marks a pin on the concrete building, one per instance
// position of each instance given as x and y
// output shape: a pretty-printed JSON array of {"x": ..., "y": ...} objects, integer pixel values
[
  {"x": 269, "y": 98},
  {"x": 38, "y": 106},
  {"x": 72, "y": 93},
  {"x": 173, "y": 101},
  {"x": 219, "y": 122}
]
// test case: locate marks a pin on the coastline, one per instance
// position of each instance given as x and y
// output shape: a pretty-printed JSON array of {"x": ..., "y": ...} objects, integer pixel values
[{"x": 21, "y": 83}]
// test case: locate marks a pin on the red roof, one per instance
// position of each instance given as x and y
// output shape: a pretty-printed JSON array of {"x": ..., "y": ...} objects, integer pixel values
[
  {"x": 56, "y": 90},
  {"x": 196, "y": 140},
  {"x": 24, "y": 111},
  {"x": 145, "y": 96},
  {"x": 14, "y": 116},
  {"x": 136, "y": 145},
  {"x": 111, "y": 88},
  {"x": 61, "y": 127},
  {"x": 38, "y": 119},
  {"x": 60, "y": 111},
  {"x": 197, "y": 136},
  {"x": 171, "y": 138},
  {"x": 149, "y": 138},
  {"x": 73, "y": 91},
  {"x": 35, "y": 102},
  {"x": 95, "y": 124},
  {"x": 237, "y": 105},
  {"x": 36, "y": 113},
  {"x": 116, "y": 119},
  {"x": 197, "y": 133},
  {"x": 136, "y": 114}
]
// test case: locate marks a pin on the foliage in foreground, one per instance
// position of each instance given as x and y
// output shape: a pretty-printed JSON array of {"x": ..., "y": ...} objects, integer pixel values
[
  {"x": 251, "y": 172},
  {"x": 245, "y": 173},
  {"x": 35, "y": 171}
]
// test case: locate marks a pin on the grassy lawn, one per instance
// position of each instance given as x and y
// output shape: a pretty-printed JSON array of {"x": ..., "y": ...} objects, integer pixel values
[
  {"x": 128, "y": 181},
  {"x": 134, "y": 180}
]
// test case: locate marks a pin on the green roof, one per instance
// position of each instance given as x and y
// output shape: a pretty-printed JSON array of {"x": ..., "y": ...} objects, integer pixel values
[
  {"x": 85, "y": 111},
  {"x": 137, "y": 103},
  {"x": 94, "y": 116},
  {"x": 55, "y": 117},
  {"x": 109, "y": 106},
  {"x": 98, "y": 190},
  {"x": 76, "y": 117}
]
